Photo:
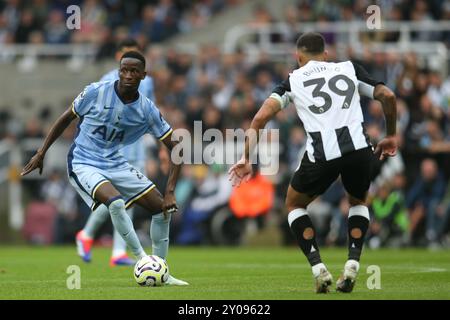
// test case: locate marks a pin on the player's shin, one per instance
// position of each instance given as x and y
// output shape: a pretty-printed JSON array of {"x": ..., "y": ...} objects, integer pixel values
[
  {"x": 358, "y": 223},
  {"x": 304, "y": 232},
  {"x": 95, "y": 220},
  {"x": 119, "y": 245},
  {"x": 123, "y": 224},
  {"x": 159, "y": 232}
]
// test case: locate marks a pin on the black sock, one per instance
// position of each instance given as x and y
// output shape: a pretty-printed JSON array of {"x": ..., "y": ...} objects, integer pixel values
[
  {"x": 357, "y": 228},
  {"x": 308, "y": 245}
]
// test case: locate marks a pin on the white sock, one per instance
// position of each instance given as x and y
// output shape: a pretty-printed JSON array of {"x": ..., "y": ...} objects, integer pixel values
[
  {"x": 295, "y": 214},
  {"x": 359, "y": 210},
  {"x": 351, "y": 263},
  {"x": 159, "y": 232},
  {"x": 95, "y": 221},
  {"x": 316, "y": 269},
  {"x": 123, "y": 224}
]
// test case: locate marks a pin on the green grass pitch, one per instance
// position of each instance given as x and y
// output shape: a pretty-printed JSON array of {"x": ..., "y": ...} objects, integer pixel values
[{"x": 222, "y": 274}]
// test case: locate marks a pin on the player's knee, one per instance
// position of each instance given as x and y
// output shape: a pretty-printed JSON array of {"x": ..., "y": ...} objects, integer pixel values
[
  {"x": 292, "y": 204},
  {"x": 295, "y": 200},
  {"x": 117, "y": 206},
  {"x": 355, "y": 201}
]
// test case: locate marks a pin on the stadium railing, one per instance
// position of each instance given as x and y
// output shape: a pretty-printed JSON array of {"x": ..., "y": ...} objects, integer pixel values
[
  {"x": 351, "y": 32},
  {"x": 349, "y": 35},
  {"x": 352, "y": 29},
  {"x": 28, "y": 55}
]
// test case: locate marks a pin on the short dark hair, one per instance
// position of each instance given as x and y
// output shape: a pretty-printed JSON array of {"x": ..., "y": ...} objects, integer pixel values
[
  {"x": 311, "y": 42},
  {"x": 128, "y": 42},
  {"x": 134, "y": 55}
]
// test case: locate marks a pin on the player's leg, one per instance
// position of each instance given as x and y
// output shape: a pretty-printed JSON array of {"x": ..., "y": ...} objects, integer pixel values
[
  {"x": 85, "y": 237},
  {"x": 108, "y": 195},
  {"x": 96, "y": 220},
  {"x": 356, "y": 177},
  {"x": 85, "y": 179},
  {"x": 305, "y": 234},
  {"x": 137, "y": 188},
  {"x": 159, "y": 227},
  {"x": 358, "y": 224},
  {"x": 160, "y": 224},
  {"x": 309, "y": 181},
  {"x": 119, "y": 256}
]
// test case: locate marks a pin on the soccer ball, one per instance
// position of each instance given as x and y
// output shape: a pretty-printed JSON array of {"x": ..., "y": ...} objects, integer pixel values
[{"x": 151, "y": 271}]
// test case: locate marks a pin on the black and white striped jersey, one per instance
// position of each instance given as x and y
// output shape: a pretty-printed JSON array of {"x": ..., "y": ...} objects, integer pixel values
[{"x": 327, "y": 98}]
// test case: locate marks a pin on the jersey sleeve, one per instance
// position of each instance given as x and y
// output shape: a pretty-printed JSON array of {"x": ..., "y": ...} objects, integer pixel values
[
  {"x": 282, "y": 93},
  {"x": 81, "y": 104},
  {"x": 366, "y": 84},
  {"x": 157, "y": 125}
]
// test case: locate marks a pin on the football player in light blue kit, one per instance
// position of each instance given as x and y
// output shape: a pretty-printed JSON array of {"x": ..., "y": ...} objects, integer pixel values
[
  {"x": 135, "y": 155},
  {"x": 113, "y": 114}
]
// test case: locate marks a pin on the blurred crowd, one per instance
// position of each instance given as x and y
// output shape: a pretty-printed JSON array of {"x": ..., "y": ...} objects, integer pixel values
[
  {"x": 149, "y": 21},
  {"x": 153, "y": 21},
  {"x": 410, "y": 195}
]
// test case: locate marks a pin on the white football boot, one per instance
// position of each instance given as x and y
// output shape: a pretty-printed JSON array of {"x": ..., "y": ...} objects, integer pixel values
[
  {"x": 323, "y": 278},
  {"x": 172, "y": 281},
  {"x": 346, "y": 281}
]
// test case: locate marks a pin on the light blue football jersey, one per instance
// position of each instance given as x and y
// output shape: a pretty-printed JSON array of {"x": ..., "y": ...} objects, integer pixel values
[
  {"x": 107, "y": 125},
  {"x": 135, "y": 152}
]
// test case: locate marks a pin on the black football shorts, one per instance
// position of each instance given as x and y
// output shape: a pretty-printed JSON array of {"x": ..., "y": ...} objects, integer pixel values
[{"x": 355, "y": 169}]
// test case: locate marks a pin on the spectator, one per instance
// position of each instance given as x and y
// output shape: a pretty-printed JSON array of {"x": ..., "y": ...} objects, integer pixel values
[
  {"x": 5, "y": 34},
  {"x": 252, "y": 202},
  {"x": 422, "y": 200},
  {"x": 57, "y": 192},
  {"x": 26, "y": 26},
  {"x": 389, "y": 225},
  {"x": 148, "y": 25},
  {"x": 212, "y": 192},
  {"x": 55, "y": 29}
]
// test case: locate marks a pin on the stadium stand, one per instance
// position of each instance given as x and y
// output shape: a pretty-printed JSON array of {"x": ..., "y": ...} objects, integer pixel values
[{"x": 222, "y": 82}]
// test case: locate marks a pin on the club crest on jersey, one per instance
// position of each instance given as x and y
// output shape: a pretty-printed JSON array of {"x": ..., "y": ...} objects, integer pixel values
[{"x": 109, "y": 136}]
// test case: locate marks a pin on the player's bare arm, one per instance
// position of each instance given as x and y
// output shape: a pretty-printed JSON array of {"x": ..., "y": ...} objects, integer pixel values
[
  {"x": 169, "y": 203},
  {"x": 37, "y": 161},
  {"x": 388, "y": 145},
  {"x": 242, "y": 170}
]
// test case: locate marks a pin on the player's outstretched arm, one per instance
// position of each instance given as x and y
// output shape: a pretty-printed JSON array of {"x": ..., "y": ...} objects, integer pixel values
[
  {"x": 37, "y": 161},
  {"x": 242, "y": 170},
  {"x": 169, "y": 202},
  {"x": 388, "y": 145}
]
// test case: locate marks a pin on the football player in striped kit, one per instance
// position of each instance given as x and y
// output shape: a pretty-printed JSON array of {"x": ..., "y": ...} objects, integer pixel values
[{"x": 327, "y": 98}]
